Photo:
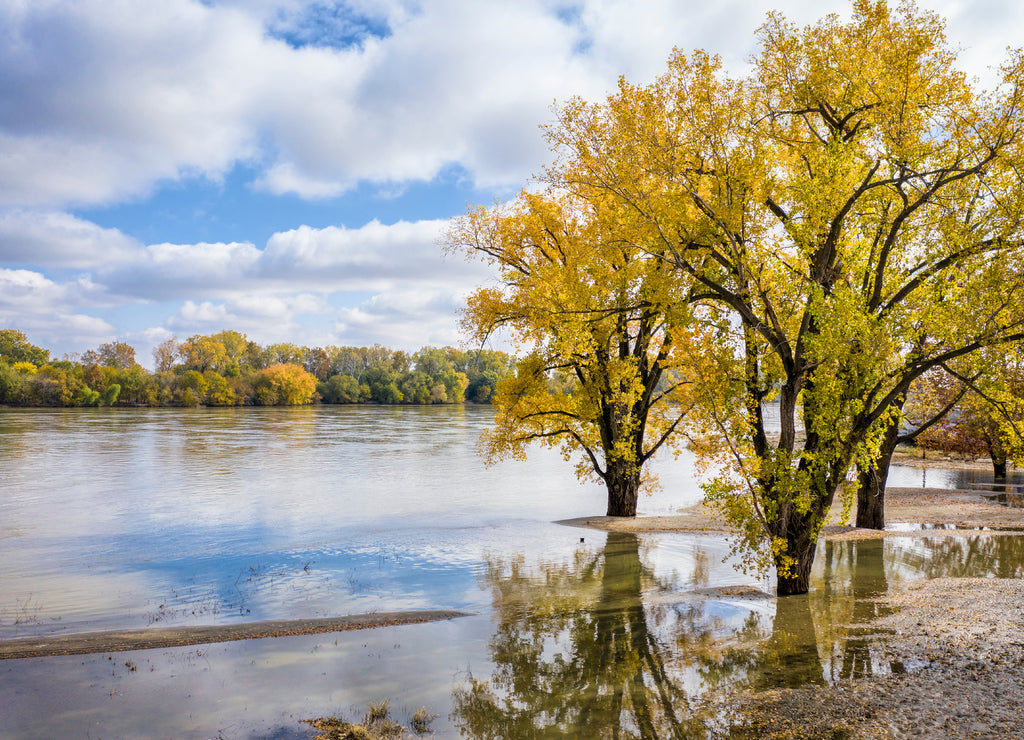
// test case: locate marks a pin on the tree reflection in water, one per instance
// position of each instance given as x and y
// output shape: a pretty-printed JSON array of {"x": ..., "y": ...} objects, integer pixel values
[
  {"x": 577, "y": 654},
  {"x": 601, "y": 647}
]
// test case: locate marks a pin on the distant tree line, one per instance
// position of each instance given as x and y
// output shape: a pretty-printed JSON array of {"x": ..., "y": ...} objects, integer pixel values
[{"x": 228, "y": 369}]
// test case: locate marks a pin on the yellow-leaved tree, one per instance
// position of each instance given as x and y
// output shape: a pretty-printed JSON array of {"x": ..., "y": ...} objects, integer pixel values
[
  {"x": 853, "y": 204},
  {"x": 605, "y": 329},
  {"x": 842, "y": 219}
]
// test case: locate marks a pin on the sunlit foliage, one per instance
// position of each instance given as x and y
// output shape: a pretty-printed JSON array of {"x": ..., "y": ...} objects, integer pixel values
[
  {"x": 607, "y": 332},
  {"x": 228, "y": 369},
  {"x": 853, "y": 207}
]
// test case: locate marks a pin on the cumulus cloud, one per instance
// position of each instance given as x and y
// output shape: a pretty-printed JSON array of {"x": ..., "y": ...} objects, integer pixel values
[
  {"x": 53, "y": 239},
  {"x": 49, "y": 311},
  {"x": 408, "y": 318},
  {"x": 370, "y": 256},
  {"x": 303, "y": 260},
  {"x": 104, "y": 99}
]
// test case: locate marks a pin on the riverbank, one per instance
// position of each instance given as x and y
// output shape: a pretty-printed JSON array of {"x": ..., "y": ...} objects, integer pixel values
[{"x": 959, "y": 640}]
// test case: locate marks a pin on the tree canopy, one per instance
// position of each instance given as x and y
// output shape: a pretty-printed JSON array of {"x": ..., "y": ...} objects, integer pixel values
[
  {"x": 847, "y": 215},
  {"x": 605, "y": 331}
]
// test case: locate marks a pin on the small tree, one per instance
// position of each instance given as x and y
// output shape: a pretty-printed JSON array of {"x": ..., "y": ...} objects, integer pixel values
[
  {"x": 582, "y": 299},
  {"x": 284, "y": 385}
]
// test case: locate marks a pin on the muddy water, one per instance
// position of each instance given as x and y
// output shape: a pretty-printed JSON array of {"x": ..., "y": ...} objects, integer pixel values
[{"x": 112, "y": 519}]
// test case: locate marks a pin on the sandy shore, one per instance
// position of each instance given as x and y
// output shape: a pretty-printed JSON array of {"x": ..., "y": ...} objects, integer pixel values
[
  {"x": 120, "y": 640},
  {"x": 959, "y": 509}
]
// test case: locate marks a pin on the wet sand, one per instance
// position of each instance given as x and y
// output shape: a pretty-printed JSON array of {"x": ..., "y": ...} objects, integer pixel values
[
  {"x": 144, "y": 639},
  {"x": 963, "y": 509}
]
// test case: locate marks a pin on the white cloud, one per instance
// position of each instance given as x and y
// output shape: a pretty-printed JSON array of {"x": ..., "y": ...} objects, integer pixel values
[
  {"x": 104, "y": 99},
  {"x": 303, "y": 260},
  {"x": 407, "y": 319},
  {"x": 263, "y": 318},
  {"x": 53, "y": 239},
  {"x": 48, "y": 311},
  {"x": 359, "y": 259}
]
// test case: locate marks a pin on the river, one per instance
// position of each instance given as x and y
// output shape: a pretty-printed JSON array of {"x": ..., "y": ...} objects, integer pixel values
[{"x": 115, "y": 518}]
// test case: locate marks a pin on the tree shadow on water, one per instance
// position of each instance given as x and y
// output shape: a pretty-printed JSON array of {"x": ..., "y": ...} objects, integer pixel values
[
  {"x": 578, "y": 653},
  {"x": 602, "y": 647}
]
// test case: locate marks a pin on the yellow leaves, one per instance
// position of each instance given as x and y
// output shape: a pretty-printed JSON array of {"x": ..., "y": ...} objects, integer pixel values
[
  {"x": 819, "y": 232},
  {"x": 583, "y": 293},
  {"x": 284, "y": 385}
]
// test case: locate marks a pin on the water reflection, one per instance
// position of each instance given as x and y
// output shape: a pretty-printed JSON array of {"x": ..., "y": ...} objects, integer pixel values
[
  {"x": 577, "y": 653},
  {"x": 124, "y": 517},
  {"x": 976, "y": 556},
  {"x": 601, "y": 646},
  {"x": 846, "y": 600},
  {"x": 908, "y": 475},
  {"x": 634, "y": 638}
]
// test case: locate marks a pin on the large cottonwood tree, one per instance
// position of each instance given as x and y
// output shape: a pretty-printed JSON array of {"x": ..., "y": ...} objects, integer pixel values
[
  {"x": 605, "y": 331},
  {"x": 853, "y": 204}
]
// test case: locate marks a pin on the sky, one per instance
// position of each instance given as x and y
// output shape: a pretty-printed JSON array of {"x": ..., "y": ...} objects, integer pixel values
[{"x": 284, "y": 168}]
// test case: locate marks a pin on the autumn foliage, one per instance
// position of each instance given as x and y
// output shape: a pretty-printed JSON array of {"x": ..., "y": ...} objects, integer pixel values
[
  {"x": 842, "y": 219},
  {"x": 227, "y": 369}
]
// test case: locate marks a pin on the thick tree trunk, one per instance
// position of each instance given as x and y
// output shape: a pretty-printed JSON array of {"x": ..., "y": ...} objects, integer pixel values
[
  {"x": 995, "y": 450},
  {"x": 623, "y": 483},
  {"x": 793, "y": 567},
  {"x": 999, "y": 469},
  {"x": 797, "y": 580},
  {"x": 871, "y": 484}
]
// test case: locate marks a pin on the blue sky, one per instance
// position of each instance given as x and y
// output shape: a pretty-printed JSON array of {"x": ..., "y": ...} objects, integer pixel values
[{"x": 285, "y": 167}]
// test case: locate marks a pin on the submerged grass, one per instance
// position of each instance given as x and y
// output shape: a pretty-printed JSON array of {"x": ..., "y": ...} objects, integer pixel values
[{"x": 376, "y": 724}]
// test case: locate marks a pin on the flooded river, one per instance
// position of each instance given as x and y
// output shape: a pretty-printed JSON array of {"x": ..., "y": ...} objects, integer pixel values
[{"x": 160, "y": 517}]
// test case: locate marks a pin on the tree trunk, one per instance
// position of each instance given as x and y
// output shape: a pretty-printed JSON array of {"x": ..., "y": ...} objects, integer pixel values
[
  {"x": 997, "y": 453},
  {"x": 623, "y": 483},
  {"x": 793, "y": 567},
  {"x": 798, "y": 578},
  {"x": 999, "y": 469},
  {"x": 871, "y": 484}
]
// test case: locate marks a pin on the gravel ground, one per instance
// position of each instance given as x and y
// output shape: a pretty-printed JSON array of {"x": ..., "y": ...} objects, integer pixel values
[{"x": 962, "y": 643}]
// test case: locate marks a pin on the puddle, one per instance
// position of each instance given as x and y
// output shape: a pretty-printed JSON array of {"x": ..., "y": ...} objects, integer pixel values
[
  {"x": 916, "y": 527},
  {"x": 1010, "y": 500},
  {"x": 908, "y": 475}
]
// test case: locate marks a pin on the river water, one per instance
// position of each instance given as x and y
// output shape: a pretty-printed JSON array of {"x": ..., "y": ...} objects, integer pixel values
[{"x": 136, "y": 518}]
